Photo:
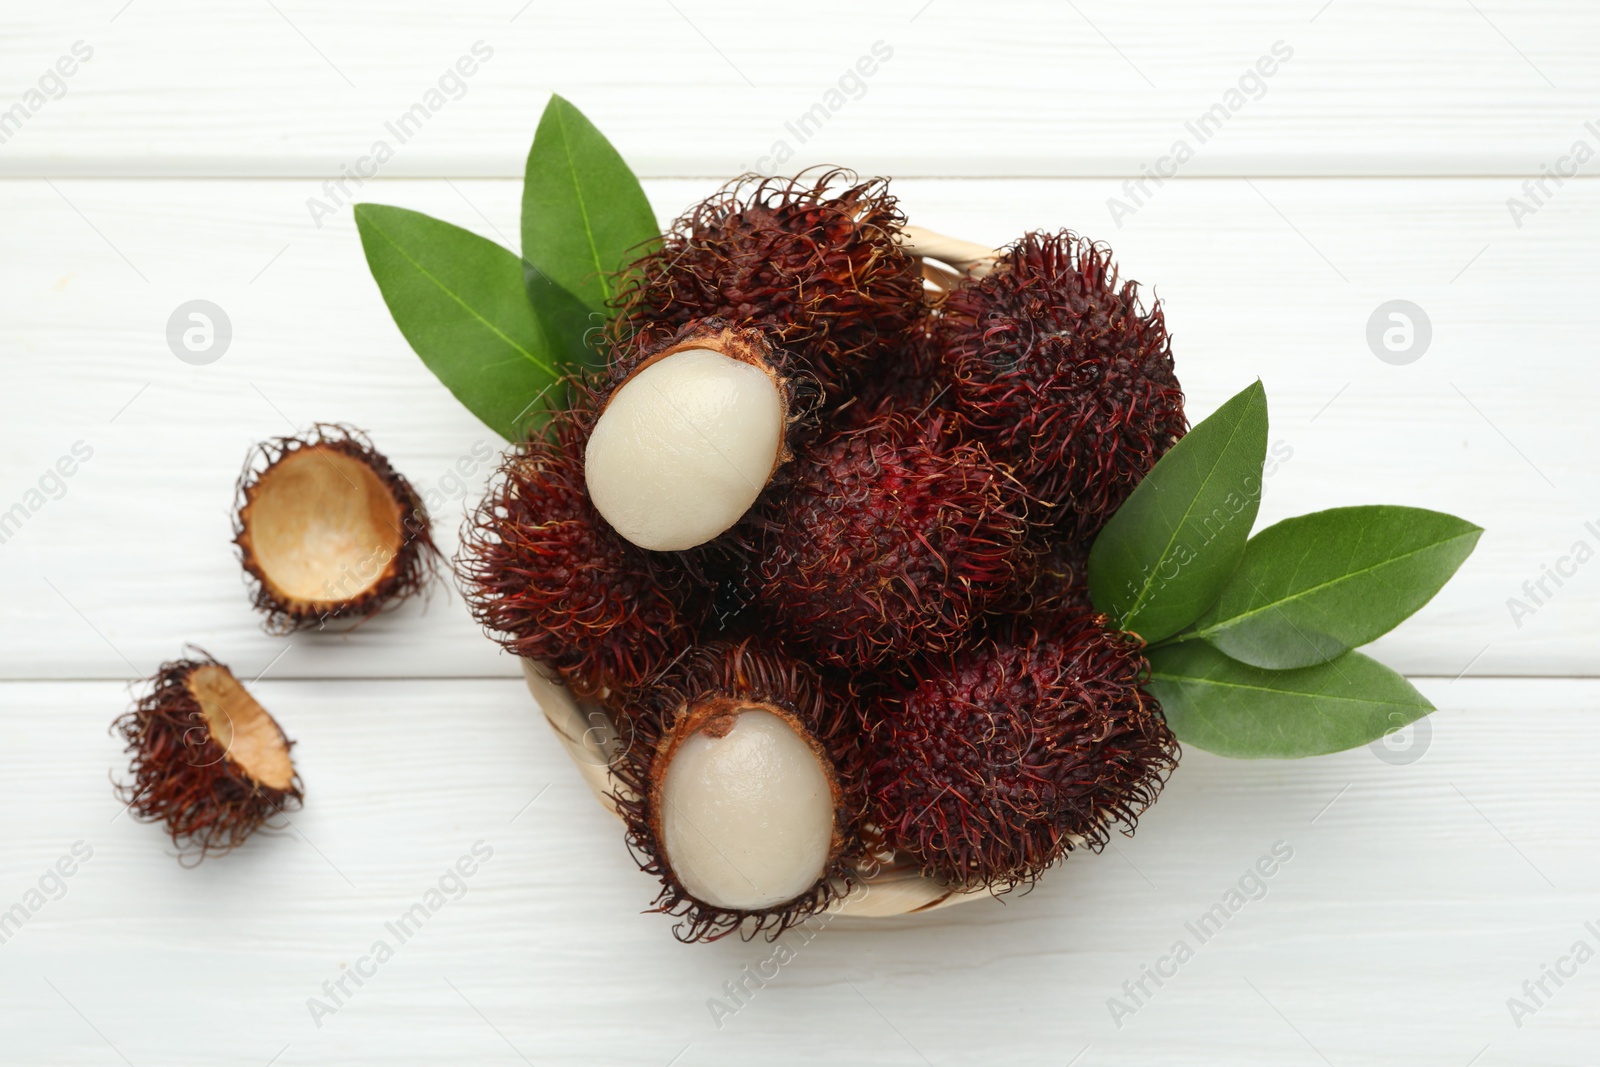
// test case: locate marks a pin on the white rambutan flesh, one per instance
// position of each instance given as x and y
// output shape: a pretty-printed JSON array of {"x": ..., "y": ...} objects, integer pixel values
[
  {"x": 684, "y": 447},
  {"x": 747, "y": 812}
]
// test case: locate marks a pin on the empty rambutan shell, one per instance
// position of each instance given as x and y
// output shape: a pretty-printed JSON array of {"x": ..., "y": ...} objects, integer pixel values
[
  {"x": 813, "y": 261},
  {"x": 891, "y": 541},
  {"x": 740, "y": 790},
  {"x": 1057, "y": 367},
  {"x": 328, "y": 530},
  {"x": 207, "y": 759},
  {"x": 994, "y": 762},
  {"x": 553, "y": 582},
  {"x": 689, "y": 436}
]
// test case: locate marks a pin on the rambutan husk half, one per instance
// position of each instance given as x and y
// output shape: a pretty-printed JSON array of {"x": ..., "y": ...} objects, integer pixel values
[
  {"x": 1060, "y": 370},
  {"x": 328, "y": 530},
  {"x": 207, "y": 759},
  {"x": 813, "y": 261},
  {"x": 891, "y": 541},
  {"x": 703, "y": 693},
  {"x": 989, "y": 765},
  {"x": 551, "y": 581}
]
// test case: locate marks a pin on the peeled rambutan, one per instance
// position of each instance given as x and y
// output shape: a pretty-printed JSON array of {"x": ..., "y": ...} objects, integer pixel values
[
  {"x": 992, "y": 763},
  {"x": 328, "y": 530},
  {"x": 812, "y": 261},
  {"x": 208, "y": 760},
  {"x": 689, "y": 434},
  {"x": 1063, "y": 374},
  {"x": 891, "y": 540},
  {"x": 741, "y": 790},
  {"x": 552, "y": 582}
]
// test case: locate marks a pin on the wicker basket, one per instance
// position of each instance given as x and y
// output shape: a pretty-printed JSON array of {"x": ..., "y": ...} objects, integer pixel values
[{"x": 586, "y": 730}]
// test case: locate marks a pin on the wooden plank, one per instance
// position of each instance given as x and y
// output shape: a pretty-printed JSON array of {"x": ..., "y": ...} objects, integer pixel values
[
  {"x": 1269, "y": 278},
  {"x": 187, "y": 88},
  {"x": 1418, "y": 898}
]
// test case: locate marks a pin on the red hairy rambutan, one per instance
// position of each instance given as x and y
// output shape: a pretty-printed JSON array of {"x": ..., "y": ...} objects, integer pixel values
[
  {"x": 551, "y": 581},
  {"x": 811, "y": 261},
  {"x": 208, "y": 760},
  {"x": 1061, "y": 372},
  {"x": 911, "y": 381},
  {"x": 1056, "y": 581},
  {"x": 741, "y": 790},
  {"x": 992, "y": 763},
  {"x": 891, "y": 540}
]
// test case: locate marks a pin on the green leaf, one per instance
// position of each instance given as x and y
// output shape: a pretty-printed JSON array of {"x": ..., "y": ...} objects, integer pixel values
[
  {"x": 1169, "y": 550},
  {"x": 459, "y": 300},
  {"x": 1313, "y": 587},
  {"x": 1224, "y": 706},
  {"x": 584, "y": 217}
]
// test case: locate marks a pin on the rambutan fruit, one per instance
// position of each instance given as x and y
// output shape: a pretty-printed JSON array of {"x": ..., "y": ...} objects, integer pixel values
[
  {"x": 911, "y": 382},
  {"x": 328, "y": 530},
  {"x": 992, "y": 763},
  {"x": 207, "y": 759},
  {"x": 553, "y": 582},
  {"x": 1058, "y": 368},
  {"x": 689, "y": 435},
  {"x": 891, "y": 540},
  {"x": 741, "y": 790},
  {"x": 813, "y": 262},
  {"x": 1056, "y": 581}
]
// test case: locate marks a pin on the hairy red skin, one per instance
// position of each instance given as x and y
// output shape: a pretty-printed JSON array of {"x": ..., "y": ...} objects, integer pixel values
[
  {"x": 910, "y": 381},
  {"x": 551, "y": 581},
  {"x": 995, "y": 762},
  {"x": 811, "y": 261},
  {"x": 891, "y": 541},
  {"x": 1057, "y": 579},
  {"x": 182, "y": 776},
  {"x": 737, "y": 674},
  {"x": 1061, "y": 372}
]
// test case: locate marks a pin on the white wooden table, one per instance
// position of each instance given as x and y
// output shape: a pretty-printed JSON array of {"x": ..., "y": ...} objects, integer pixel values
[{"x": 1375, "y": 163}]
